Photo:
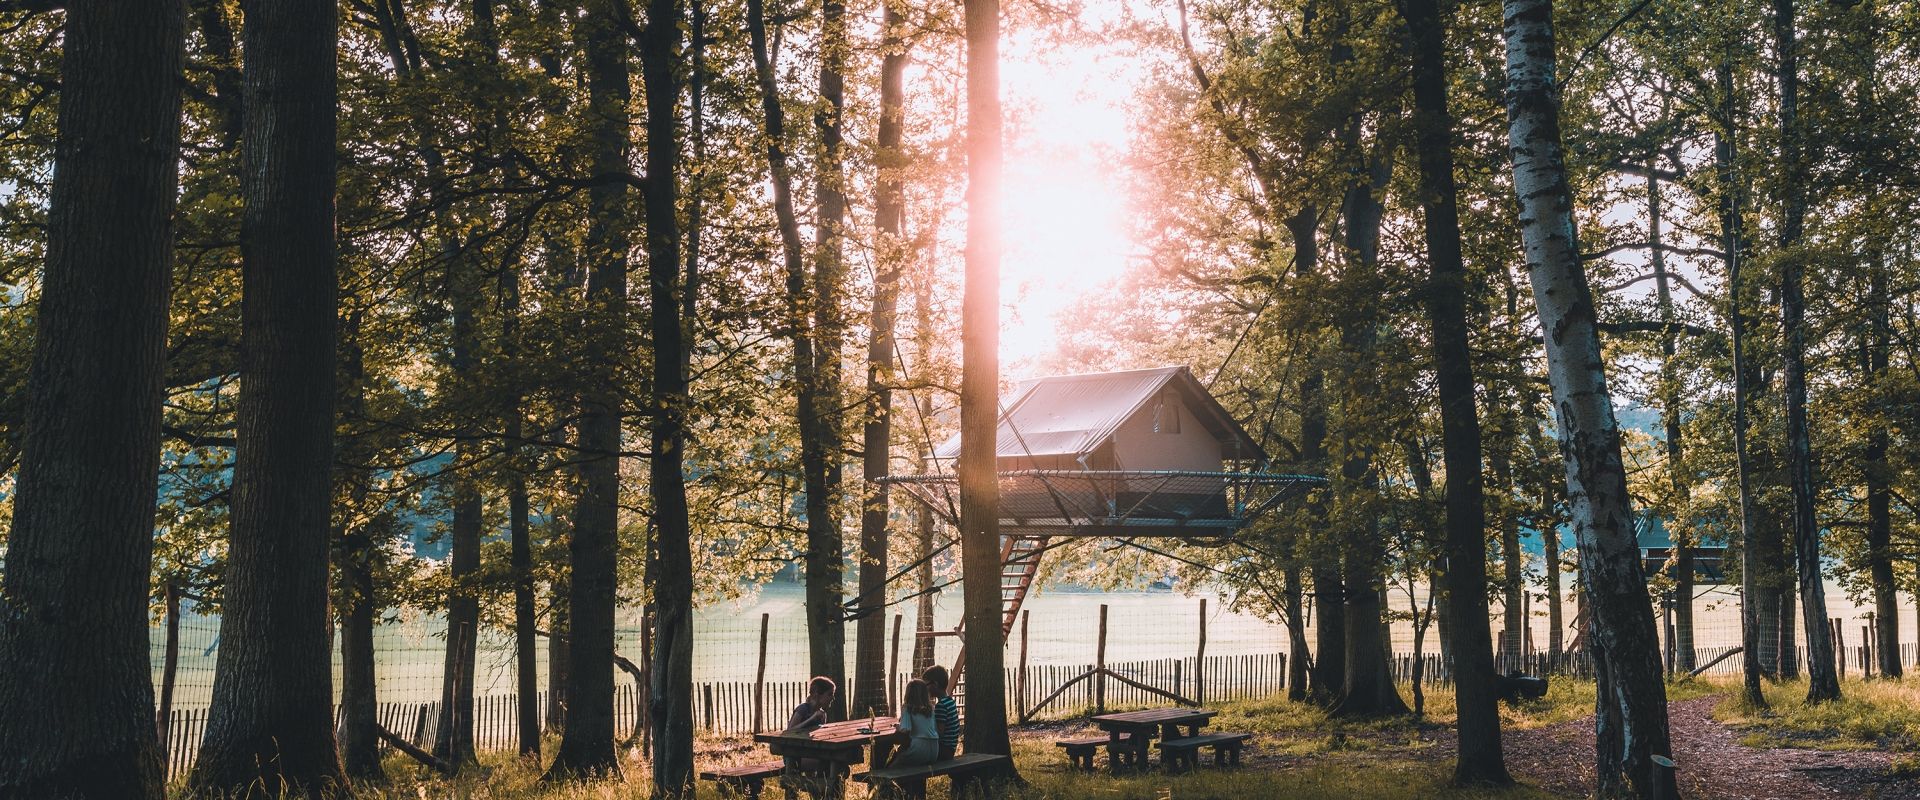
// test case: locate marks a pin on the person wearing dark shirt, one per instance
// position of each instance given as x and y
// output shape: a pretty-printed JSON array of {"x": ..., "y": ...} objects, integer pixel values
[
  {"x": 805, "y": 717},
  {"x": 946, "y": 713}
]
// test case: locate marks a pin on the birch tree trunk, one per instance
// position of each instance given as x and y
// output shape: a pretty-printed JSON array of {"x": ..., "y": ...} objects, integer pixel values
[
  {"x": 270, "y": 726},
  {"x": 1623, "y": 628},
  {"x": 74, "y": 674},
  {"x": 1480, "y": 759},
  {"x": 1682, "y": 486}
]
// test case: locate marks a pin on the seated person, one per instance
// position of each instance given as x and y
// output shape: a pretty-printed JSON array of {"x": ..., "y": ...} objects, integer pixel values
[
  {"x": 805, "y": 717},
  {"x": 813, "y": 712},
  {"x": 946, "y": 713},
  {"x": 918, "y": 736}
]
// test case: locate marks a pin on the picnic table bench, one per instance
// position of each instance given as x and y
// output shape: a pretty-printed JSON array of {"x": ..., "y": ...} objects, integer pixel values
[
  {"x": 1080, "y": 751},
  {"x": 1184, "y": 753},
  {"x": 744, "y": 779},
  {"x": 960, "y": 768},
  {"x": 1131, "y": 733}
]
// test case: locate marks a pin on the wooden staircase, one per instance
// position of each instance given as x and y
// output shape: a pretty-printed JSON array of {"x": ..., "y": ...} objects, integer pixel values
[{"x": 1019, "y": 566}]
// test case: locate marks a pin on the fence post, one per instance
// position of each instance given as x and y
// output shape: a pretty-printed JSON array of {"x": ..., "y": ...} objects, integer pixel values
[
  {"x": 760, "y": 679},
  {"x": 893, "y": 667},
  {"x": 1839, "y": 644},
  {"x": 1020, "y": 683},
  {"x": 1200, "y": 659},
  {"x": 1100, "y": 665}
]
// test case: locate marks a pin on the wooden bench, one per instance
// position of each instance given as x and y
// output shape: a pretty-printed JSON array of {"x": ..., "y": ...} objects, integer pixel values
[
  {"x": 960, "y": 768},
  {"x": 1178, "y": 754},
  {"x": 1080, "y": 751},
  {"x": 744, "y": 779}
]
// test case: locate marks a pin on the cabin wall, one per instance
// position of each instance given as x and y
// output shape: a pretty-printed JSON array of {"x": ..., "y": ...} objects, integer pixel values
[{"x": 1137, "y": 446}]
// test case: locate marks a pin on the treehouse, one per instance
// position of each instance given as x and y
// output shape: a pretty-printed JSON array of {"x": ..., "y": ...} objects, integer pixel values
[{"x": 1139, "y": 453}]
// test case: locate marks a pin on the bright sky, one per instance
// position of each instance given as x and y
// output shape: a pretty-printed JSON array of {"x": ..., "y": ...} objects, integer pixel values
[{"x": 1066, "y": 228}]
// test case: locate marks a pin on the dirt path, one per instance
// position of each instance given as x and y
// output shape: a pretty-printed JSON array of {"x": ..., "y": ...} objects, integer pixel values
[{"x": 1712, "y": 762}]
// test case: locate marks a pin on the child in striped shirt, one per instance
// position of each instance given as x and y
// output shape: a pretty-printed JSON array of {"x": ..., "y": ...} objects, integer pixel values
[{"x": 946, "y": 713}]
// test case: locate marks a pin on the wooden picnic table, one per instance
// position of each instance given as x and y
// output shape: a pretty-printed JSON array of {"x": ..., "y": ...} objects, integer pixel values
[
  {"x": 832, "y": 748},
  {"x": 1143, "y": 726}
]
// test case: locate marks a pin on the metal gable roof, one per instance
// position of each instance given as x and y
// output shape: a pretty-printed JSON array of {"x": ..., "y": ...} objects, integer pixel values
[{"x": 1072, "y": 415}]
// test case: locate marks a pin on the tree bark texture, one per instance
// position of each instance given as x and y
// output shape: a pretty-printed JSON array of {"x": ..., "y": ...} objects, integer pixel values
[
  {"x": 1480, "y": 758},
  {"x": 1623, "y": 627},
  {"x": 819, "y": 449},
  {"x": 270, "y": 725},
  {"x": 986, "y": 729},
  {"x": 74, "y": 674},
  {"x": 359, "y": 677},
  {"x": 824, "y": 421},
  {"x": 587, "y": 744},
  {"x": 870, "y": 682},
  {"x": 670, "y": 694},
  {"x": 1753, "y": 663},
  {"x": 1678, "y": 528},
  {"x": 1823, "y": 682}
]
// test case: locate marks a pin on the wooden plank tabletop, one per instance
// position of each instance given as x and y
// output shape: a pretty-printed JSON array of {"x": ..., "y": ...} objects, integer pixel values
[
  {"x": 834, "y": 734},
  {"x": 1156, "y": 716}
]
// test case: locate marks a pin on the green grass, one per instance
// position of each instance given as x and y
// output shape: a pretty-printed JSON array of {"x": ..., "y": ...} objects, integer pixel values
[
  {"x": 1870, "y": 715},
  {"x": 1298, "y": 752}
]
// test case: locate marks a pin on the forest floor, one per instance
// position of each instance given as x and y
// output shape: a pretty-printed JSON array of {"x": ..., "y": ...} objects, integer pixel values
[{"x": 1866, "y": 747}]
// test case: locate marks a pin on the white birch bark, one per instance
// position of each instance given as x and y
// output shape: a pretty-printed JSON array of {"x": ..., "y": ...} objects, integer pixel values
[{"x": 1623, "y": 626}]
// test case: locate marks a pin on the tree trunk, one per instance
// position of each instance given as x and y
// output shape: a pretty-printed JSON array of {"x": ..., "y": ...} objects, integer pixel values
[
  {"x": 671, "y": 673},
  {"x": 870, "y": 686},
  {"x": 74, "y": 673},
  {"x": 558, "y": 674},
  {"x": 1296, "y": 637},
  {"x": 923, "y": 338},
  {"x": 586, "y": 746},
  {"x": 1678, "y": 528},
  {"x": 1512, "y": 561},
  {"x": 1753, "y": 663},
  {"x": 453, "y": 739},
  {"x": 1480, "y": 759},
  {"x": 986, "y": 730},
  {"x": 1822, "y": 682},
  {"x": 1886, "y": 602},
  {"x": 359, "y": 683},
  {"x": 1367, "y": 683},
  {"x": 826, "y": 550},
  {"x": 1623, "y": 627},
  {"x": 270, "y": 725},
  {"x": 819, "y": 449}
]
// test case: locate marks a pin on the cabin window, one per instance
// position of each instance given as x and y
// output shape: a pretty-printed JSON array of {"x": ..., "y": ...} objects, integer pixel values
[{"x": 1166, "y": 415}]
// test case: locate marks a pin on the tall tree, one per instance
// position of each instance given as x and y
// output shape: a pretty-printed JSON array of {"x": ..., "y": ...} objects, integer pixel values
[
  {"x": 1632, "y": 703},
  {"x": 74, "y": 671},
  {"x": 1823, "y": 683},
  {"x": 1751, "y": 561},
  {"x": 270, "y": 725},
  {"x": 1480, "y": 758},
  {"x": 1680, "y": 484},
  {"x": 823, "y": 464},
  {"x": 870, "y": 682},
  {"x": 980, "y": 389},
  {"x": 671, "y": 693},
  {"x": 819, "y": 445},
  {"x": 587, "y": 745}
]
